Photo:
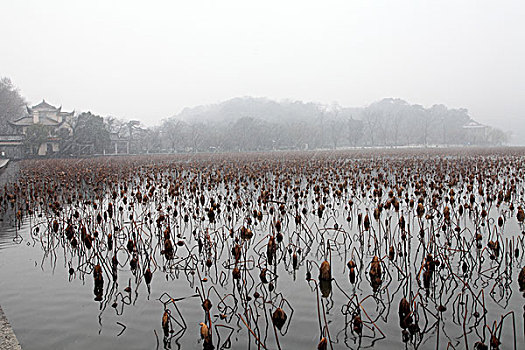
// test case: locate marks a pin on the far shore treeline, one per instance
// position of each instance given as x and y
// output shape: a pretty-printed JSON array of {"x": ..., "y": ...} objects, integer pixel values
[{"x": 252, "y": 124}]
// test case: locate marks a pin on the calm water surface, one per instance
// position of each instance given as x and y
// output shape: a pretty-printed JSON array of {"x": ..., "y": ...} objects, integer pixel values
[{"x": 49, "y": 308}]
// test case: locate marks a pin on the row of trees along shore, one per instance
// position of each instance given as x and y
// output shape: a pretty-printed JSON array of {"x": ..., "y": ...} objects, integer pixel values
[{"x": 260, "y": 124}]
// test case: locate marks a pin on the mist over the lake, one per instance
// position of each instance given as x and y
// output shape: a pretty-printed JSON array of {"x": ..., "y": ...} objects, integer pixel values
[{"x": 140, "y": 61}]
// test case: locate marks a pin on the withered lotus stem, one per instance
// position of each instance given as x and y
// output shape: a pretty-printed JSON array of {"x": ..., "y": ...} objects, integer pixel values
[
  {"x": 402, "y": 223},
  {"x": 166, "y": 323},
  {"x": 404, "y": 308},
  {"x": 147, "y": 276},
  {"x": 207, "y": 305},
  {"x": 352, "y": 275},
  {"x": 521, "y": 279},
  {"x": 271, "y": 249},
  {"x": 366, "y": 223},
  {"x": 279, "y": 318},
  {"x": 205, "y": 332},
  {"x": 236, "y": 273},
  {"x": 278, "y": 226},
  {"x": 323, "y": 344},
  {"x": 420, "y": 210},
  {"x": 262, "y": 276},
  {"x": 480, "y": 346},
  {"x": 427, "y": 278},
  {"x": 375, "y": 268},
  {"x": 325, "y": 272},
  {"x": 236, "y": 252},
  {"x": 357, "y": 324},
  {"x": 351, "y": 264},
  {"x": 446, "y": 214},
  {"x": 97, "y": 273}
]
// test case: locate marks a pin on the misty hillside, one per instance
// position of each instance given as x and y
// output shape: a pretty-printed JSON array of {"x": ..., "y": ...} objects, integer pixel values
[
  {"x": 253, "y": 107},
  {"x": 248, "y": 123}
]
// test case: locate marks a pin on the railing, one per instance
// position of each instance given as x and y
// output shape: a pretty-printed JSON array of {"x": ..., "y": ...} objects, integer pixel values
[{"x": 12, "y": 137}]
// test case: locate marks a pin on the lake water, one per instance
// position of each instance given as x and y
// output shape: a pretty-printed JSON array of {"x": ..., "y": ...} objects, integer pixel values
[{"x": 51, "y": 308}]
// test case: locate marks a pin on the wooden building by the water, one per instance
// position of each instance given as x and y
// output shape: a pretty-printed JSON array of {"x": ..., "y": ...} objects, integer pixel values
[{"x": 45, "y": 125}]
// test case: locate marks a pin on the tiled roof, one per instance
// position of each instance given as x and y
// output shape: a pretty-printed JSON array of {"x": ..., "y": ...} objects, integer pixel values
[
  {"x": 44, "y": 105},
  {"x": 28, "y": 120},
  {"x": 472, "y": 124}
]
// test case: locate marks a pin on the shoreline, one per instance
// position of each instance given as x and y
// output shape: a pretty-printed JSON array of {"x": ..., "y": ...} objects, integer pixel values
[{"x": 8, "y": 338}]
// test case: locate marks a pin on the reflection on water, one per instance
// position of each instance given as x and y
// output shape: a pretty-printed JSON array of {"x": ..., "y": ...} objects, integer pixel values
[
  {"x": 265, "y": 251},
  {"x": 8, "y": 235}
]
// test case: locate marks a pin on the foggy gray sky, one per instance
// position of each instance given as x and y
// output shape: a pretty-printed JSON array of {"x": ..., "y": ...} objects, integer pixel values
[{"x": 148, "y": 60}]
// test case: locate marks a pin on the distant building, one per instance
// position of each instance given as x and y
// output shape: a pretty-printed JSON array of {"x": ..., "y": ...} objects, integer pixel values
[
  {"x": 476, "y": 133},
  {"x": 118, "y": 144},
  {"x": 56, "y": 123}
]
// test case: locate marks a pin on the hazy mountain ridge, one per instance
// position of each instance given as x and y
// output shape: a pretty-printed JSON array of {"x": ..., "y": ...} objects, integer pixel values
[
  {"x": 294, "y": 110},
  {"x": 253, "y": 107},
  {"x": 256, "y": 123}
]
